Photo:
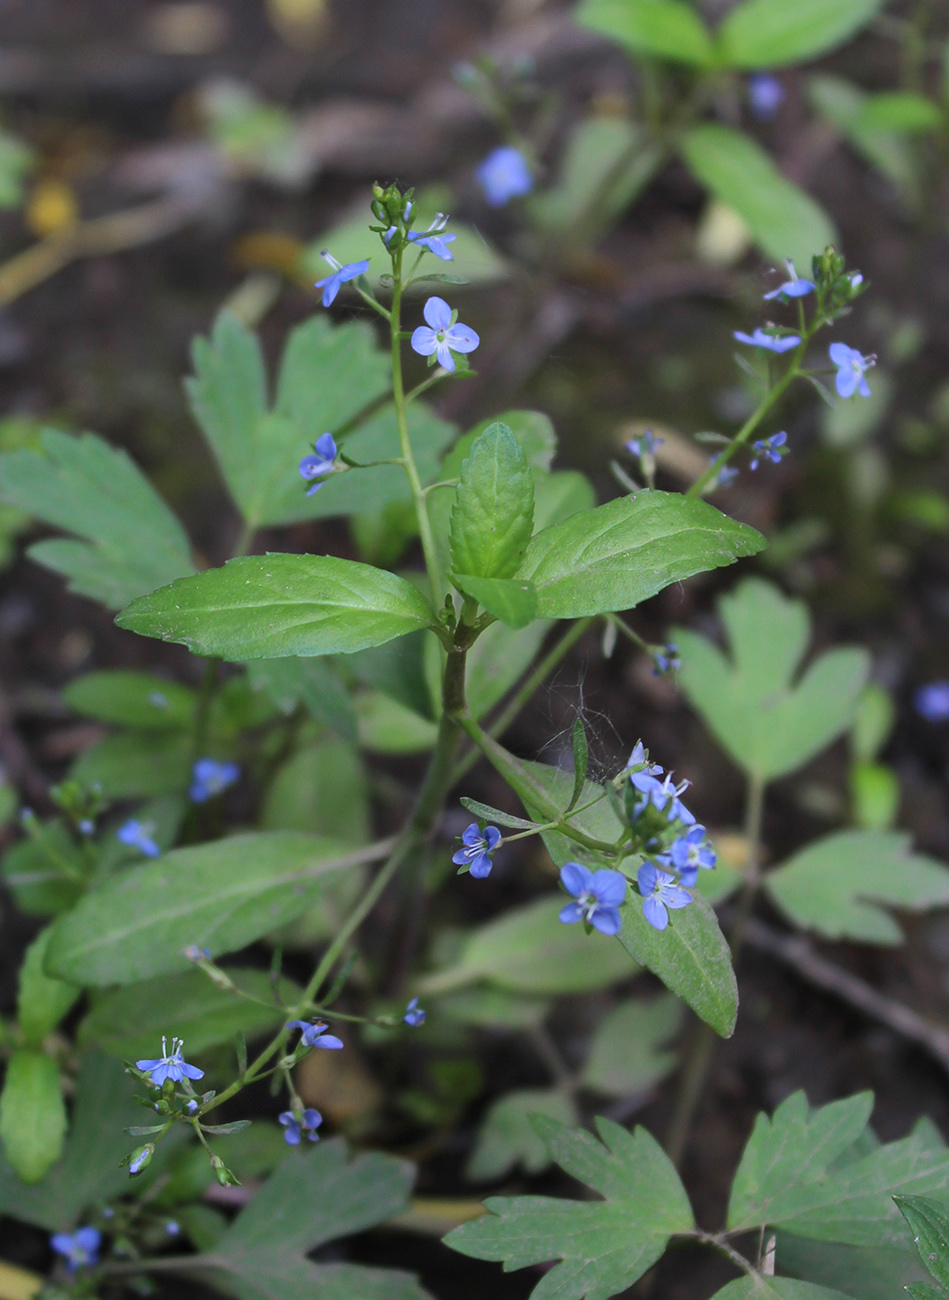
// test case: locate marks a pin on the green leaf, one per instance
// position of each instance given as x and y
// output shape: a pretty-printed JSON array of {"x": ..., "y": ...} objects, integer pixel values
[
  {"x": 842, "y": 103},
  {"x": 492, "y": 1007},
  {"x": 314, "y": 683},
  {"x": 873, "y": 722},
  {"x": 604, "y": 1245},
  {"x": 131, "y": 699},
  {"x": 32, "y": 871},
  {"x": 32, "y": 1114},
  {"x": 16, "y": 160},
  {"x": 511, "y": 600},
  {"x": 664, "y": 29},
  {"x": 132, "y": 543},
  {"x": 925, "y": 1291},
  {"x": 774, "y": 1288},
  {"x": 322, "y": 789},
  {"x": 929, "y": 1225},
  {"x": 493, "y": 515},
  {"x": 626, "y": 1053},
  {"x": 774, "y": 34},
  {"x": 528, "y": 950},
  {"x": 42, "y": 1002},
  {"x": 900, "y": 111},
  {"x": 581, "y": 758},
  {"x": 507, "y": 1138},
  {"x": 767, "y": 724},
  {"x": 619, "y": 554},
  {"x": 388, "y": 727},
  {"x": 138, "y": 764},
  {"x": 498, "y": 659},
  {"x": 833, "y": 884},
  {"x": 862, "y": 1272},
  {"x": 221, "y": 896},
  {"x": 794, "y": 1148},
  {"x": 264, "y": 607},
  {"x": 533, "y": 430},
  {"x": 784, "y": 220},
  {"x": 129, "y": 1022},
  {"x": 484, "y": 812},
  {"x": 691, "y": 958}
]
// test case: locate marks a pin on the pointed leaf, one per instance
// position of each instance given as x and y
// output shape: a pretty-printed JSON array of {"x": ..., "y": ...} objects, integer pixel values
[
  {"x": 581, "y": 758},
  {"x": 493, "y": 515},
  {"x": 929, "y": 1224},
  {"x": 511, "y": 600},
  {"x": 773, "y": 33},
  {"x": 626, "y": 1055},
  {"x": 507, "y": 1139},
  {"x": 664, "y": 29},
  {"x": 775, "y": 1288},
  {"x": 131, "y": 699},
  {"x": 264, "y": 607},
  {"x": 489, "y": 814}
]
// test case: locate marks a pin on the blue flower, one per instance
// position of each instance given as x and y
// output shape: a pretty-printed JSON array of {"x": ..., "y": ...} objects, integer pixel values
[
  {"x": 80, "y": 1249},
  {"x": 726, "y": 475},
  {"x": 320, "y": 464},
  {"x": 86, "y": 827},
  {"x": 308, "y": 1123},
  {"x": 170, "y": 1065},
  {"x": 479, "y": 845},
  {"x": 598, "y": 897},
  {"x": 315, "y": 1035},
  {"x": 137, "y": 835},
  {"x": 793, "y": 288},
  {"x": 192, "y": 1107},
  {"x": 434, "y": 240},
  {"x": 341, "y": 275},
  {"x": 690, "y": 852},
  {"x": 442, "y": 336},
  {"x": 663, "y": 795},
  {"x": 932, "y": 702},
  {"x": 640, "y": 760},
  {"x": 194, "y": 953},
  {"x": 644, "y": 444},
  {"x": 765, "y": 96},
  {"x": 852, "y": 367},
  {"x": 173, "y": 1228},
  {"x": 772, "y": 449},
  {"x": 660, "y": 892},
  {"x": 504, "y": 175},
  {"x": 666, "y": 659},
  {"x": 209, "y": 778},
  {"x": 770, "y": 342},
  {"x": 414, "y": 1015}
]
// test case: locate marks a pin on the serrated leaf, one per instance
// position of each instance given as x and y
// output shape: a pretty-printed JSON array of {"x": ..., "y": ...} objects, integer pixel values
[
  {"x": 529, "y": 950},
  {"x": 621, "y": 553},
  {"x": 606, "y": 1245},
  {"x": 773, "y": 33},
  {"x": 785, "y": 221},
  {"x": 691, "y": 957},
  {"x": 265, "y": 607},
  {"x": 314, "y": 683},
  {"x": 489, "y": 814},
  {"x": 129, "y": 1022},
  {"x": 507, "y": 1138},
  {"x": 929, "y": 1224},
  {"x": 833, "y": 884},
  {"x": 221, "y": 896},
  {"x": 511, "y": 600},
  {"x": 769, "y": 725},
  {"x": 626, "y": 1054},
  {"x": 493, "y": 515},
  {"x": 665, "y": 29},
  {"x": 41, "y": 1001},
  {"x": 32, "y": 1114},
  {"x": 131, "y": 542}
]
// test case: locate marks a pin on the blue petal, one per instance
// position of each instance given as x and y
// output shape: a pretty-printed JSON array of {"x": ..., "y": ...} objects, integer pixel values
[
  {"x": 472, "y": 836},
  {"x": 608, "y": 887},
  {"x": 606, "y": 920},
  {"x": 655, "y": 913},
  {"x": 481, "y": 866},
  {"x": 191, "y": 1071},
  {"x": 492, "y": 837},
  {"x": 571, "y": 913},
  {"x": 327, "y": 1040},
  {"x": 646, "y": 878},
  {"x": 576, "y": 879}
]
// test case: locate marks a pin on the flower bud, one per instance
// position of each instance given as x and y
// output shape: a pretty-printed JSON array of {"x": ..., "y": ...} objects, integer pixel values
[
  {"x": 141, "y": 1158},
  {"x": 223, "y": 1174}
]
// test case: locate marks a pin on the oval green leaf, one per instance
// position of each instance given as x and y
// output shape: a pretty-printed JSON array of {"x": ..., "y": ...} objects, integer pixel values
[
  {"x": 32, "y": 1114},
  {"x": 666, "y": 29},
  {"x": 775, "y": 33}
]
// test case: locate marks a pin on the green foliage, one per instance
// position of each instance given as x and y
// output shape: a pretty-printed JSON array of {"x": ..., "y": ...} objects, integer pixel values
[
  {"x": 512, "y": 601},
  {"x": 773, "y": 33},
  {"x": 264, "y": 607},
  {"x": 138, "y": 764},
  {"x": 843, "y": 104},
  {"x": 900, "y": 111},
  {"x": 132, "y": 543},
  {"x": 41, "y": 1002},
  {"x": 626, "y": 1054},
  {"x": 665, "y": 29},
  {"x": 33, "y": 871},
  {"x": 873, "y": 722},
  {"x": 604, "y": 1245},
  {"x": 17, "y": 159},
  {"x": 507, "y": 1137},
  {"x": 833, "y": 884},
  {"x": 621, "y": 553},
  {"x": 131, "y": 699},
  {"x": 321, "y": 789},
  {"x": 784, "y": 220},
  {"x": 493, "y": 516},
  {"x": 222, "y": 896},
  {"x": 768, "y": 724},
  {"x": 929, "y": 1225},
  {"x": 315, "y": 683},
  {"x": 860, "y": 1271},
  {"x": 774, "y": 1288},
  {"x": 32, "y": 1114}
]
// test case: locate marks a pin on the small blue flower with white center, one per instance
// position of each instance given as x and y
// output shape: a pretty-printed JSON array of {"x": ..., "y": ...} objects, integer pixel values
[
  {"x": 504, "y": 175},
  {"x": 666, "y": 659},
  {"x": 138, "y": 835},
  {"x": 309, "y": 1121},
  {"x": 479, "y": 844},
  {"x": 770, "y": 342},
  {"x": 210, "y": 778},
  {"x": 791, "y": 288},
  {"x": 932, "y": 702},
  {"x": 316, "y": 467},
  {"x": 598, "y": 896},
  {"x": 660, "y": 893},
  {"x": 414, "y": 1015},
  {"x": 442, "y": 335},
  {"x": 668, "y": 799},
  {"x": 765, "y": 96},
  {"x": 80, "y": 1249},
  {"x": 639, "y": 759},
  {"x": 170, "y": 1065},
  {"x": 315, "y": 1035},
  {"x": 691, "y": 851},
  {"x": 852, "y": 367},
  {"x": 332, "y": 284},
  {"x": 644, "y": 444},
  {"x": 434, "y": 239},
  {"x": 772, "y": 449}
]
